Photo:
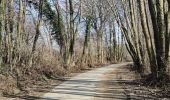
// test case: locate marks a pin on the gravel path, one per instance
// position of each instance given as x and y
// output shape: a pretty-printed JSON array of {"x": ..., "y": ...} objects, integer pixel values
[{"x": 82, "y": 87}]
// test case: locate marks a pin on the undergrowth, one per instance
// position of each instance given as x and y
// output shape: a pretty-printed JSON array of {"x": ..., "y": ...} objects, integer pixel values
[
  {"x": 162, "y": 83},
  {"x": 32, "y": 69}
]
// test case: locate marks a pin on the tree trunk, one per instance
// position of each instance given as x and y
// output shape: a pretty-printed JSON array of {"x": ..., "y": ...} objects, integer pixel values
[
  {"x": 1, "y": 27},
  {"x": 72, "y": 33},
  {"x": 37, "y": 28},
  {"x": 148, "y": 39},
  {"x": 167, "y": 36},
  {"x": 87, "y": 39},
  {"x": 158, "y": 23}
]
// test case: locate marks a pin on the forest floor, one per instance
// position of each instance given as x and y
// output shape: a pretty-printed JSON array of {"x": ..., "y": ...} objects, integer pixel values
[{"x": 113, "y": 82}]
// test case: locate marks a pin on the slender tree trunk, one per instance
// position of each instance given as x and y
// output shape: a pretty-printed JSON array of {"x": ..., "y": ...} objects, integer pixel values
[
  {"x": 73, "y": 36},
  {"x": 1, "y": 18},
  {"x": 147, "y": 35},
  {"x": 158, "y": 23},
  {"x": 167, "y": 35},
  {"x": 9, "y": 28},
  {"x": 36, "y": 36},
  {"x": 20, "y": 23},
  {"x": 38, "y": 24},
  {"x": 1, "y": 27},
  {"x": 87, "y": 39}
]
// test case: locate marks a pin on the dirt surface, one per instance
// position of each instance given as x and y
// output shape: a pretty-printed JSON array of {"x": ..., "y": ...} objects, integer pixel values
[
  {"x": 81, "y": 87},
  {"x": 40, "y": 88},
  {"x": 124, "y": 84},
  {"x": 113, "y": 82}
]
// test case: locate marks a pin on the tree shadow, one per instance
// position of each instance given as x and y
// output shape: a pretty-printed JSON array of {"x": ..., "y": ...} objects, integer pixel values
[{"x": 85, "y": 89}]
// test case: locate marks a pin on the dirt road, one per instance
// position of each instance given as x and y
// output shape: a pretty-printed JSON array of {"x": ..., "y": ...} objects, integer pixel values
[
  {"x": 85, "y": 86},
  {"x": 113, "y": 82}
]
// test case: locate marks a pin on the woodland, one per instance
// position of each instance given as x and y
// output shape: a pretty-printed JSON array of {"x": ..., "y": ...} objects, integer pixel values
[{"x": 48, "y": 39}]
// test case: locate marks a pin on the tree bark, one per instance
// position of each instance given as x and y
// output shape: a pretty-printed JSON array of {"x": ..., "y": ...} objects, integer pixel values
[
  {"x": 148, "y": 39},
  {"x": 158, "y": 23}
]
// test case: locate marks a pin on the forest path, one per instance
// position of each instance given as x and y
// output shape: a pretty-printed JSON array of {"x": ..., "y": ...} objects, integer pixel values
[{"x": 87, "y": 86}]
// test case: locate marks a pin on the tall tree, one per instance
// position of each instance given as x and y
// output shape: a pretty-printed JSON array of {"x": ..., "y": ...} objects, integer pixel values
[{"x": 157, "y": 11}]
